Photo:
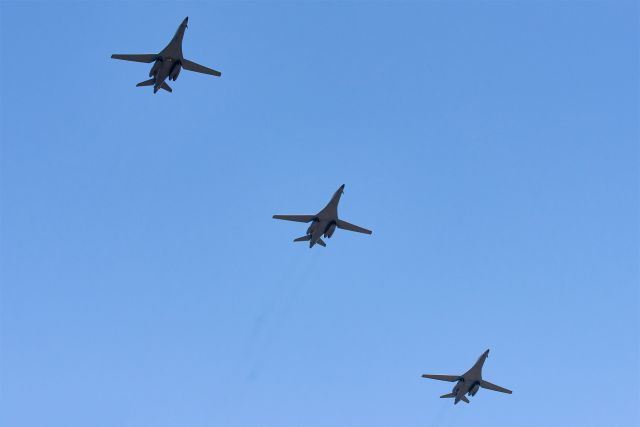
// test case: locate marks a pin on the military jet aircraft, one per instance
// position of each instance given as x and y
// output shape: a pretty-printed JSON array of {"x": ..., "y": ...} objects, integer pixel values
[
  {"x": 323, "y": 223},
  {"x": 168, "y": 62},
  {"x": 469, "y": 382}
]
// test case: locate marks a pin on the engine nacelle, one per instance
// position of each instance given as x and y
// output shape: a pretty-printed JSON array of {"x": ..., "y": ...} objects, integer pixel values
[
  {"x": 330, "y": 230},
  {"x": 312, "y": 227},
  {"x": 175, "y": 71},
  {"x": 474, "y": 389},
  {"x": 155, "y": 68}
]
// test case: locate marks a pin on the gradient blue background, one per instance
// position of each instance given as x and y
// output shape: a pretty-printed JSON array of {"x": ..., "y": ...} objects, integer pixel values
[{"x": 491, "y": 146}]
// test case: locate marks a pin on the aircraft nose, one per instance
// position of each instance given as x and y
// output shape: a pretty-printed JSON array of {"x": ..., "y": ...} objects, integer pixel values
[
  {"x": 186, "y": 20},
  {"x": 342, "y": 187},
  {"x": 486, "y": 353}
]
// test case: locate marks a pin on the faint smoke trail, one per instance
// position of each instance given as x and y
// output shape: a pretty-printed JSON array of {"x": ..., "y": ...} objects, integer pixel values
[
  {"x": 440, "y": 416},
  {"x": 270, "y": 321},
  {"x": 279, "y": 299}
]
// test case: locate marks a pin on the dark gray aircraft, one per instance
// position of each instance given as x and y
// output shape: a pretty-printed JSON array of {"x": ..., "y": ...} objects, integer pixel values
[
  {"x": 469, "y": 382},
  {"x": 323, "y": 223},
  {"x": 168, "y": 62}
]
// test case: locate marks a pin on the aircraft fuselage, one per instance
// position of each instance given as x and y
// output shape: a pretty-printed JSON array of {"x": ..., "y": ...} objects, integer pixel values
[
  {"x": 320, "y": 228},
  {"x": 465, "y": 386},
  {"x": 168, "y": 64},
  {"x": 470, "y": 381},
  {"x": 326, "y": 220}
]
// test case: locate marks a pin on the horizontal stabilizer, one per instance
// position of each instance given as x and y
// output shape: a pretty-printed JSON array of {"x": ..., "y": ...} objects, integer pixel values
[
  {"x": 450, "y": 378},
  {"x": 149, "y": 82},
  {"x": 297, "y": 218},
  {"x": 192, "y": 66},
  {"x": 321, "y": 243},
  {"x": 447, "y": 396},
  {"x": 489, "y": 386},
  {"x": 464, "y": 399},
  {"x": 303, "y": 238},
  {"x": 166, "y": 87},
  {"x": 346, "y": 226},
  {"x": 145, "y": 57}
]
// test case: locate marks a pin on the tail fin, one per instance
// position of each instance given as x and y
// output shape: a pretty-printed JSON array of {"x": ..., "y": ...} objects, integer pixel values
[
  {"x": 447, "y": 396},
  {"x": 458, "y": 399},
  {"x": 303, "y": 238},
  {"x": 149, "y": 82}
]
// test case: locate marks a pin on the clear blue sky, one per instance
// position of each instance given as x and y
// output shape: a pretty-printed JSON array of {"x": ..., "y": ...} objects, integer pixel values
[{"x": 491, "y": 146}]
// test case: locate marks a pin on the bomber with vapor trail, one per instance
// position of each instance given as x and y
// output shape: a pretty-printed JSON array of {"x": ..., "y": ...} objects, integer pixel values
[
  {"x": 468, "y": 383},
  {"x": 168, "y": 63},
  {"x": 324, "y": 223}
]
